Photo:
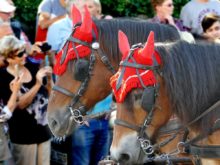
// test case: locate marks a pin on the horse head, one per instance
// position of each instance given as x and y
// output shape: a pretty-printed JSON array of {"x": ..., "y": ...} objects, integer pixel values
[
  {"x": 141, "y": 101},
  {"x": 77, "y": 71}
]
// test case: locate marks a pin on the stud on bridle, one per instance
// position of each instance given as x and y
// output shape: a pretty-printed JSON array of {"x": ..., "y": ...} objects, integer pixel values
[{"x": 78, "y": 112}]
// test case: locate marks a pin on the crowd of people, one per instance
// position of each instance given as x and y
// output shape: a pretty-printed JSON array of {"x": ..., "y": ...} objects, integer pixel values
[{"x": 26, "y": 76}]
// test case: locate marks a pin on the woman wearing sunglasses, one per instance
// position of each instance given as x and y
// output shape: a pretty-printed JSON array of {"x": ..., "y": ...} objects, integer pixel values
[
  {"x": 163, "y": 13},
  {"x": 28, "y": 129},
  {"x": 8, "y": 100}
]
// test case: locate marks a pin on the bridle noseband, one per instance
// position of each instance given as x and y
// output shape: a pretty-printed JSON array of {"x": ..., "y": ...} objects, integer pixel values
[
  {"x": 77, "y": 113},
  {"x": 151, "y": 91}
]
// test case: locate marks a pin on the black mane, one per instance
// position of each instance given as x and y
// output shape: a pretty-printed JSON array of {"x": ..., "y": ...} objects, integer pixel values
[
  {"x": 192, "y": 79},
  {"x": 136, "y": 30}
]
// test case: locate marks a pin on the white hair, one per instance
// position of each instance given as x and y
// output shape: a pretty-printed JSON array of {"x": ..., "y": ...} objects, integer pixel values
[{"x": 10, "y": 44}]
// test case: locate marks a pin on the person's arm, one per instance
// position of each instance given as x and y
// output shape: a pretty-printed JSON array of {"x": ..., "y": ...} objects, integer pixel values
[
  {"x": 7, "y": 111},
  {"x": 15, "y": 86},
  {"x": 27, "y": 98},
  {"x": 45, "y": 19},
  {"x": 45, "y": 14},
  {"x": 5, "y": 29}
]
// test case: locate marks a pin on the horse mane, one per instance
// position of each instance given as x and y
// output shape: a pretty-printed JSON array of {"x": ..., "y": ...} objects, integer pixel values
[
  {"x": 191, "y": 76},
  {"x": 136, "y": 30}
]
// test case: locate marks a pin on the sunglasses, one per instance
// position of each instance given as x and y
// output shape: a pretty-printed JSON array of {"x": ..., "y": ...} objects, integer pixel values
[
  {"x": 170, "y": 5},
  {"x": 21, "y": 54}
]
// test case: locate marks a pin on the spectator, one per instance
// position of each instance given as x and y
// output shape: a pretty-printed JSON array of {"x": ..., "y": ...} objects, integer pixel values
[
  {"x": 193, "y": 12},
  {"x": 163, "y": 13},
  {"x": 6, "y": 12},
  {"x": 7, "y": 105},
  {"x": 95, "y": 9},
  {"x": 211, "y": 27},
  {"x": 49, "y": 11},
  {"x": 28, "y": 130},
  {"x": 90, "y": 144}
]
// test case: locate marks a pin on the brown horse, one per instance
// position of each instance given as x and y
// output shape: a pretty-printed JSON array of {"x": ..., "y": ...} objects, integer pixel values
[
  {"x": 92, "y": 51},
  {"x": 156, "y": 81}
]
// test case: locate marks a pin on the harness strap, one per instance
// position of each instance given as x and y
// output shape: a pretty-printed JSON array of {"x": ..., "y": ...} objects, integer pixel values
[
  {"x": 202, "y": 136},
  {"x": 171, "y": 126},
  {"x": 138, "y": 66},
  {"x": 75, "y": 40},
  {"x": 213, "y": 107},
  {"x": 63, "y": 90},
  {"x": 106, "y": 61},
  {"x": 205, "y": 151},
  {"x": 128, "y": 125}
]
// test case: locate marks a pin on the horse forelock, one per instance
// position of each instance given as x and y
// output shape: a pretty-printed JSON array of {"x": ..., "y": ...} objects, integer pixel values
[{"x": 191, "y": 74}]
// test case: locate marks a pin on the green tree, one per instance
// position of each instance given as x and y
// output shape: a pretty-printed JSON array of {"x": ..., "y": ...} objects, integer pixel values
[{"x": 27, "y": 11}]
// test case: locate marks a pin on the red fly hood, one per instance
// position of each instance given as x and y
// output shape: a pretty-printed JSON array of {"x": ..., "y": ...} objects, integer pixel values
[
  {"x": 126, "y": 78},
  {"x": 82, "y": 33}
]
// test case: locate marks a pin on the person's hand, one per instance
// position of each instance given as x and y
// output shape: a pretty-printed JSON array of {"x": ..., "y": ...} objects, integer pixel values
[
  {"x": 16, "y": 83},
  {"x": 44, "y": 71},
  {"x": 5, "y": 29},
  {"x": 5, "y": 114},
  {"x": 35, "y": 48}
]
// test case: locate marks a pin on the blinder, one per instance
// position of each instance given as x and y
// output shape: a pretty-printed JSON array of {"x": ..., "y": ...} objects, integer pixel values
[
  {"x": 81, "y": 69},
  {"x": 148, "y": 98}
]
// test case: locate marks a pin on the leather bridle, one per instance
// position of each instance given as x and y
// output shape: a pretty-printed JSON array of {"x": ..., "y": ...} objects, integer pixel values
[
  {"x": 143, "y": 138},
  {"x": 78, "y": 112}
]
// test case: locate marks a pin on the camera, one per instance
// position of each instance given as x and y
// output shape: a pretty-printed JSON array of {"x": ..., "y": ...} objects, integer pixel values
[{"x": 45, "y": 47}]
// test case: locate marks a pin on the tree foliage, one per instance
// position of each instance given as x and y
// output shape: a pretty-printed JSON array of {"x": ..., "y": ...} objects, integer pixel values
[{"x": 27, "y": 10}]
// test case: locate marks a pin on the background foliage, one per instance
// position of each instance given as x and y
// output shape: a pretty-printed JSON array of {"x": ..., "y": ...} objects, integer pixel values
[{"x": 27, "y": 10}]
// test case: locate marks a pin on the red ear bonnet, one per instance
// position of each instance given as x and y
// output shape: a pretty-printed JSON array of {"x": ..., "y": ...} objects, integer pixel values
[
  {"x": 83, "y": 33},
  {"x": 86, "y": 26},
  {"x": 76, "y": 16},
  {"x": 123, "y": 44},
  {"x": 128, "y": 78},
  {"x": 148, "y": 50}
]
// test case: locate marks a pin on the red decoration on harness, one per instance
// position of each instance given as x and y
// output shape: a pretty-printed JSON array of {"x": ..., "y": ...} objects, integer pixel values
[
  {"x": 83, "y": 33},
  {"x": 130, "y": 79}
]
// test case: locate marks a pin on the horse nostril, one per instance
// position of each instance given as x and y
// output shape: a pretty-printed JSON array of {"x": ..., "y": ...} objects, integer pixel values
[
  {"x": 53, "y": 123},
  {"x": 124, "y": 157}
]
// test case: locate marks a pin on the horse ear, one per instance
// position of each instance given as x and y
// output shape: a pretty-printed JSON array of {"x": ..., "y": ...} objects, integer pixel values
[
  {"x": 76, "y": 16},
  {"x": 87, "y": 22},
  {"x": 148, "y": 49},
  {"x": 123, "y": 44}
]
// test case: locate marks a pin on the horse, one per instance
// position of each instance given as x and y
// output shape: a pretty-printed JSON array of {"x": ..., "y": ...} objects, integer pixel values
[
  {"x": 92, "y": 51},
  {"x": 158, "y": 80}
]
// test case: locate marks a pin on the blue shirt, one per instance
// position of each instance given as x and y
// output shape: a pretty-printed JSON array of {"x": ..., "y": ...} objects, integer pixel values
[
  {"x": 103, "y": 105},
  {"x": 59, "y": 32},
  {"x": 53, "y": 7}
]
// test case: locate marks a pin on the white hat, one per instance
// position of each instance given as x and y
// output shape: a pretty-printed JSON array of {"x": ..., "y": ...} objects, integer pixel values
[{"x": 6, "y": 7}]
